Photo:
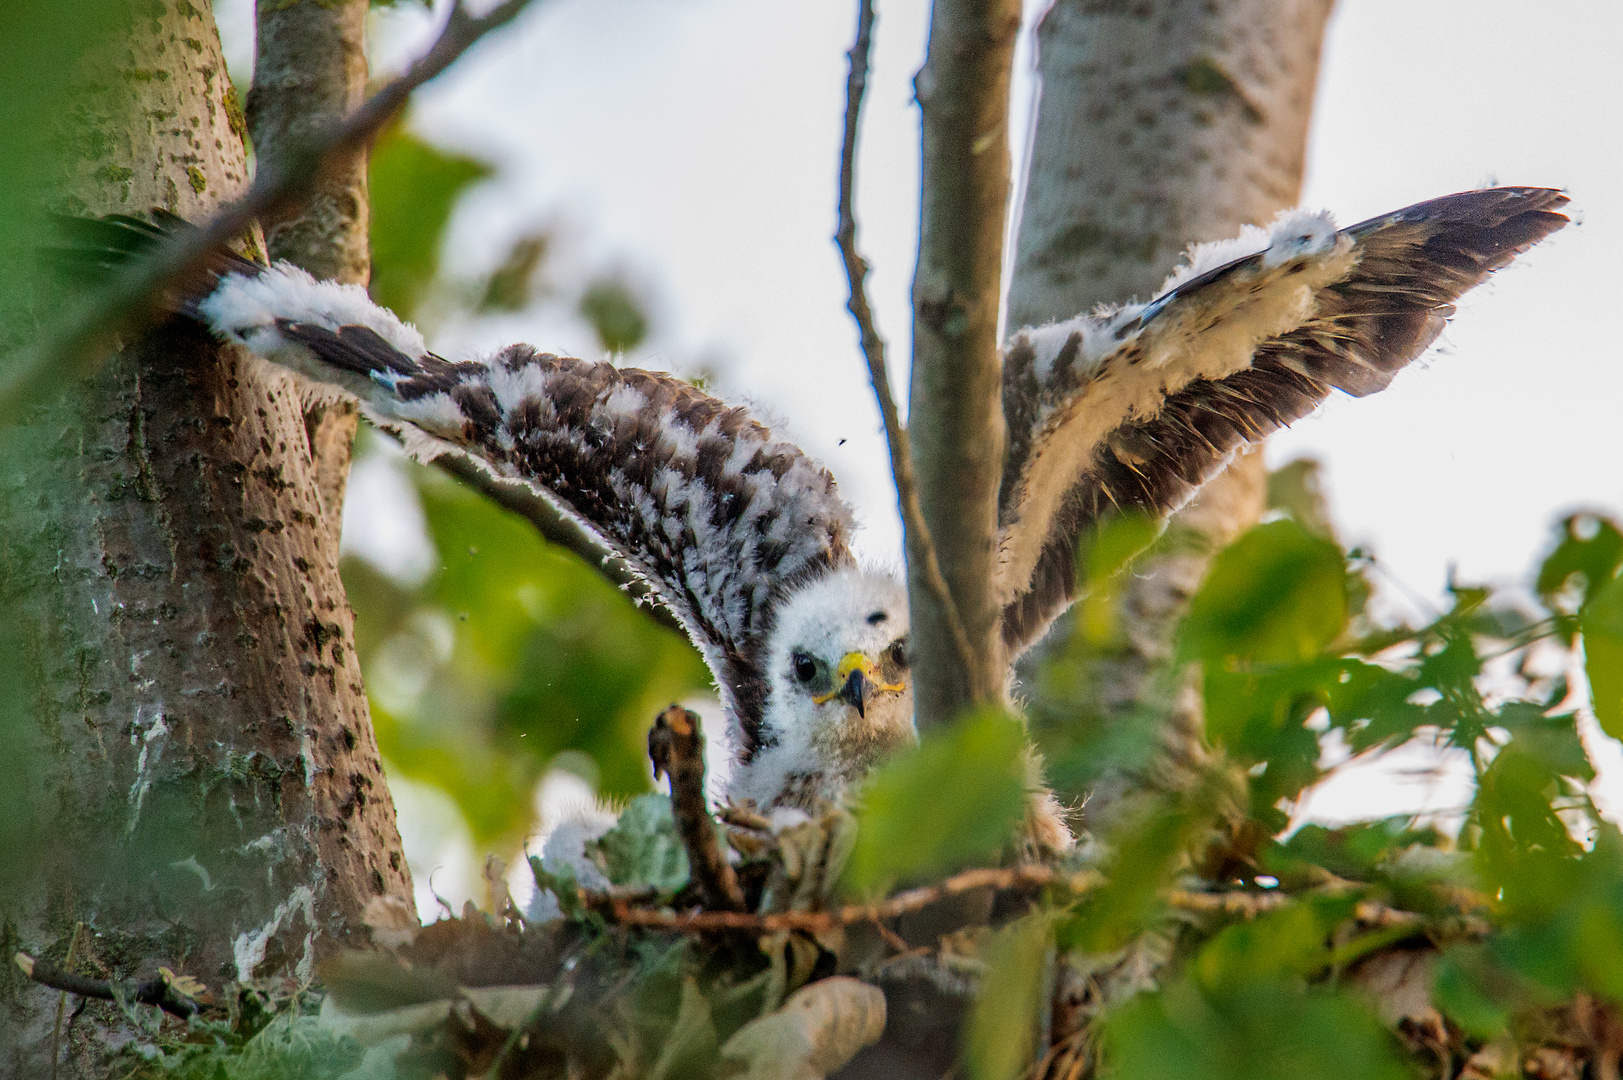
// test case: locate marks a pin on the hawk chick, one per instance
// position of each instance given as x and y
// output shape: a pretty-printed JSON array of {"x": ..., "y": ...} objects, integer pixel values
[{"x": 744, "y": 539}]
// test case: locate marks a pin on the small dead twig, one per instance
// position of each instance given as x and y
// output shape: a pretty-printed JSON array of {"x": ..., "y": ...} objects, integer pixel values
[
  {"x": 676, "y": 747},
  {"x": 920, "y": 545},
  {"x": 90, "y": 327},
  {"x": 159, "y": 991},
  {"x": 620, "y": 910}
]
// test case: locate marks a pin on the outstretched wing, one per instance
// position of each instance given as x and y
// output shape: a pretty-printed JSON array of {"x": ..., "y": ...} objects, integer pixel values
[
  {"x": 1136, "y": 407},
  {"x": 694, "y": 494}
]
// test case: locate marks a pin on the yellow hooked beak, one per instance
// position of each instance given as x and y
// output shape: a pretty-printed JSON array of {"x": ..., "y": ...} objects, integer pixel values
[{"x": 855, "y": 682}]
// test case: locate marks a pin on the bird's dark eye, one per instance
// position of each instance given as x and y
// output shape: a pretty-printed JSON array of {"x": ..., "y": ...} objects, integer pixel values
[
  {"x": 897, "y": 653},
  {"x": 804, "y": 667}
]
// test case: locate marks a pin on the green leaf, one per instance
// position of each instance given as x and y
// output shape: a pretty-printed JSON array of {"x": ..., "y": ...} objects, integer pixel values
[
  {"x": 1357, "y": 851},
  {"x": 1148, "y": 848},
  {"x": 564, "y": 885},
  {"x": 512, "y": 284},
  {"x": 1297, "y": 488},
  {"x": 1284, "y": 943},
  {"x": 1104, "y": 553},
  {"x": 616, "y": 315},
  {"x": 1474, "y": 991},
  {"x": 952, "y": 801},
  {"x": 643, "y": 850},
  {"x": 1591, "y": 550},
  {"x": 1278, "y": 593},
  {"x": 414, "y": 188},
  {"x": 690, "y": 1049},
  {"x": 1267, "y": 1029},
  {"x": 1003, "y": 1025},
  {"x": 1602, "y": 623}
]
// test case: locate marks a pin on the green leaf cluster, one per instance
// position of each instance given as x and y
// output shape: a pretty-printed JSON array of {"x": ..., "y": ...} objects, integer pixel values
[
  {"x": 952, "y": 802},
  {"x": 509, "y": 654}
]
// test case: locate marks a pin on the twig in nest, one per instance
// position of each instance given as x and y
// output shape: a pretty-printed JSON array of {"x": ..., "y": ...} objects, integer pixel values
[
  {"x": 676, "y": 747},
  {"x": 817, "y": 921},
  {"x": 920, "y": 545},
  {"x": 88, "y": 329},
  {"x": 159, "y": 991}
]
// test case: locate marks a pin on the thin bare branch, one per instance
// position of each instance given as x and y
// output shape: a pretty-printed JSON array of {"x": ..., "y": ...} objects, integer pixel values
[
  {"x": 1239, "y": 904},
  {"x": 76, "y": 342},
  {"x": 920, "y": 547},
  {"x": 619, "y": 907}
]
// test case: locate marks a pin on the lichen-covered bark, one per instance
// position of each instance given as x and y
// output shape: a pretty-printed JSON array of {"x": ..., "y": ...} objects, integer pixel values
[
  {"x": 182, "y": 700},
  {"x": 309, "y": 72},
  {"x": 1159, "y": 125},
  {"x": 955, "y": 418}
]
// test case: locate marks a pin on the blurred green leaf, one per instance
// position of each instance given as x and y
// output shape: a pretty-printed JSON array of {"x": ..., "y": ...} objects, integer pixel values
[
  {"x": 953, "y": 800},
  {"x": 1259, "y": 1030},
  {"x": 414, "y": 188},
  {"x": 615, "y": 313},
  {"x": 1602, "y": 624},
  {"x": 512, "y": 284},
  {"x": 1001, "y": 1039},
  {"x": 509, "y": 654},
  {"x": 1522, "y": 839},
  {"x": 1476, "y": 992},
  {"x": 1104, "y": 554},
  {"x": 1590, "y": 551},
  {"x": 643, "y": 850},
  {"x": 1278, "y": 593},
  {"x": 1291, "y": 942},
  {"x": 1357, "y": 852},
  {"x": 1297, "y": 488},
  {"x": 1148, "y": 849}
]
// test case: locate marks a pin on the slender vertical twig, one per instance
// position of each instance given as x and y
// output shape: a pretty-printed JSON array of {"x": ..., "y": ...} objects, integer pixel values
[{"x": 919, "y": 545}]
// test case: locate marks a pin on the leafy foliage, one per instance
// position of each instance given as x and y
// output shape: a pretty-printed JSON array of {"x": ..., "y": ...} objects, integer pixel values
[
  {"x": 509, "y": 654},
  {"x": 414, "y": 187},
  {"x": 967, "y": 783}
]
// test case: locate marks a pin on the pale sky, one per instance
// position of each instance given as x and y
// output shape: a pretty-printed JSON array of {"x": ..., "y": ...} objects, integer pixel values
[
  {"x": 692, "y": 144},
  {"x": 695, "y": 142}
]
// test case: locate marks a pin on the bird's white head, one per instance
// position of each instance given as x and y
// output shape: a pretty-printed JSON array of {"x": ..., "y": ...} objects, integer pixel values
[{"x": 840, "y": 691}]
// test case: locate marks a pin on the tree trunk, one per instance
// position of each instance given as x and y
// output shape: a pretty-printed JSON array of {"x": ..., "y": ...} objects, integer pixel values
[
  {"x": 185, "y": 719},
  {"x": 309, "y": 72},
  {"x": 1159, "y": 125},
  {"x": 955, "y": 416}
]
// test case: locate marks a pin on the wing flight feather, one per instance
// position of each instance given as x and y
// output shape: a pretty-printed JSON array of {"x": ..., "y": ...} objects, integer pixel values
[
  {"x": 694, "y": 494},
  {"x": 1136, "y": 407}
]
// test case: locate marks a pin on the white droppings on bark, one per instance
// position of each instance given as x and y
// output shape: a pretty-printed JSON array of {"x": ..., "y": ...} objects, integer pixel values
[
  {"x": 248, "y": 948},
  {"x": 148, "y": 728}
]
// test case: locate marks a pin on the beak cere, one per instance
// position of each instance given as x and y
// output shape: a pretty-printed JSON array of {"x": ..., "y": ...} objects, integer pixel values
[{"x": 856, "y": 692}]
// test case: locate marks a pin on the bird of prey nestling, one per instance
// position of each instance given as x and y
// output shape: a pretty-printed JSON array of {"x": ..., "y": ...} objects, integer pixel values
[{"x": 745, "y": 539}]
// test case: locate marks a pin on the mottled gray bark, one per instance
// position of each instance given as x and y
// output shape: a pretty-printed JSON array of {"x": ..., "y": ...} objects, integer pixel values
[
  {"x": 309, "y": 73},
  {"x": 955, "y": 417},
  {"x": 183, "y": 713},
  {"x": 1159, "y": 125}
]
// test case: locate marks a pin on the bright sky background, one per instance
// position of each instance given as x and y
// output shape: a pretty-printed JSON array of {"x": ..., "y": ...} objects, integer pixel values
[{"x": 693, "y": 143}]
